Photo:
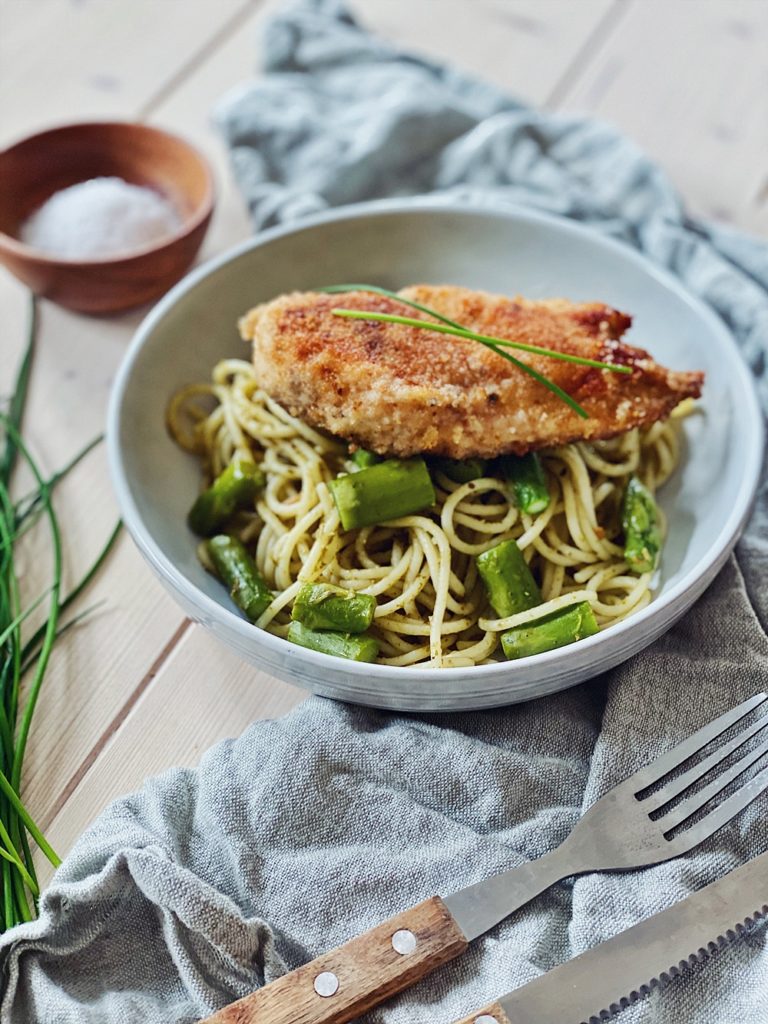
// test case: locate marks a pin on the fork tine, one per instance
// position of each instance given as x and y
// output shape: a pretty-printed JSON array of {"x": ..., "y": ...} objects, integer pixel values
[
  {"x": 679, "y": 785},
  {"x": 721, "y": 814},
  {"x": 677, "y": 755},
  {"x": 686, "y": 808}
]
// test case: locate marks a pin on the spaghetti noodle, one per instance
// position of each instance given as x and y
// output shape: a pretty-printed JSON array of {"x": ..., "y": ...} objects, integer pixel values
[{"x": 432, "y": 606}]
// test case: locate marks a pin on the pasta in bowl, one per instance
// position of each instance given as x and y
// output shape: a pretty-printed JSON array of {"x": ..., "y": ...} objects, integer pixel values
[
  {"x": 462, "y": 560},
  {"x": 701, "y": 507}
]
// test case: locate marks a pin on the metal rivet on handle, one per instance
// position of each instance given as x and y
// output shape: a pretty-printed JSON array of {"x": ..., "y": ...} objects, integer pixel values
[
  {"x": 486, "y": 1018},
  {"x": 403, "y": 942},
  {"x": 327, "y": 984}
]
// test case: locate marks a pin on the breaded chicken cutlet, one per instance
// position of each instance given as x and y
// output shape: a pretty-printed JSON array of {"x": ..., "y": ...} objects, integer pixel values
[{"x": 401, "y": 391}]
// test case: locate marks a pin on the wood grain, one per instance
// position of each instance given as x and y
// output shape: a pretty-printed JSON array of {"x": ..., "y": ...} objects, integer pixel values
[
  {"x": 100, "y": 668},
  {"x": 688, "y": 83},
  {"x": 64, "y": 61},
  {"x": 368, "y": 970},
  {"x": 187, "y": 110},
  {"x": 493, "y": 1011},
  {"x": 524, "y": 46}
]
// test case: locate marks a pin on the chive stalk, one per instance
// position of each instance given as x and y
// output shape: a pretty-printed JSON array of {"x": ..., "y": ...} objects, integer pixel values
[
  {"x": 19, "y": 397},
  {"x": 496, "y": 345},
  {"x": 18, "y": 880},
  {"x": 484, "y": 339}
]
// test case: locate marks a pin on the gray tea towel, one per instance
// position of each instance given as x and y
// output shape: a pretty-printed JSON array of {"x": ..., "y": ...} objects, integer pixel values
[{"x": 306, "y": 831}]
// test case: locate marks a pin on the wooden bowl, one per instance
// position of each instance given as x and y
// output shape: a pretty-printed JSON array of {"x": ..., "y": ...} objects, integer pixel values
[{"x": 35, "y": 168}]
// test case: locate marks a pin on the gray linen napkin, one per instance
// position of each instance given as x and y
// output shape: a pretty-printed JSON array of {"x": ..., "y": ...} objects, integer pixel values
[{"x": 308, "y": 830}]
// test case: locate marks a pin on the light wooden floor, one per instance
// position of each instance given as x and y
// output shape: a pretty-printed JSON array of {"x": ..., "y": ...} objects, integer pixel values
[{"x": 138, "y": 688}]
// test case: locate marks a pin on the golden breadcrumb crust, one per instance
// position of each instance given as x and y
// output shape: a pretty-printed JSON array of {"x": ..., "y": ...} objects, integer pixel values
[{"x": 401, "y": 390}]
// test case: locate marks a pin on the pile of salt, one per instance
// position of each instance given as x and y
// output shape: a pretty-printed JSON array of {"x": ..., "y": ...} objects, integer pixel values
[{"x": 100, "y": 218}]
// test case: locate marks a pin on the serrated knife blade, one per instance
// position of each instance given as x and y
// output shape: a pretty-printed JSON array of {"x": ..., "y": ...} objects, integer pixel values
[{"x": 598, "y": 983}]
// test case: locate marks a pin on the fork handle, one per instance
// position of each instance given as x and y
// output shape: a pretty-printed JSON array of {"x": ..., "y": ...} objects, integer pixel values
[{"x": 340, "y": 985}]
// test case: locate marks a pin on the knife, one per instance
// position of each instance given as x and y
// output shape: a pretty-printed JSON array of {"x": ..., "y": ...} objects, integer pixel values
[
  {"x": 621, "y": 830},
  {"x": 616, "y": 973},
  {"x": 586, "y": 989}
]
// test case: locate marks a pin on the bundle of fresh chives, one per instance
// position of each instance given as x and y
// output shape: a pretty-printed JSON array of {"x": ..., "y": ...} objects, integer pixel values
[{"x": 22, "y": 655}]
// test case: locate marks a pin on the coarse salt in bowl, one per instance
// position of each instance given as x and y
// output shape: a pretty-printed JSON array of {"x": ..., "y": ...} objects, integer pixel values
[
  {"x": 163, "y": 168},
  {"x": 102, "y": 217}
]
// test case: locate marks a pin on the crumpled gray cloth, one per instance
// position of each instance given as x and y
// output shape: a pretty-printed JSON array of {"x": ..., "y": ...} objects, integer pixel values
[{"x": 306, "y": 831}]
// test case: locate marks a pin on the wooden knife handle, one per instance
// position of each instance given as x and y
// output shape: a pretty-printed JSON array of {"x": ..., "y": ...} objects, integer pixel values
[
  {"x": 340, "y": 985},
  {"x": 492, "y": 1014}
]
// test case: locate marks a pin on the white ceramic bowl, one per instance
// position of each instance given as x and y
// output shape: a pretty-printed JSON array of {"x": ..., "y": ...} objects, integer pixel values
[{"x": 392, "y": 244}]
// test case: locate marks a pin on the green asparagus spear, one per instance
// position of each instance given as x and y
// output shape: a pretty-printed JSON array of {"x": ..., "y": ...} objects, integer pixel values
[
  {"x": 238, "y": 570},
  {"x": 529, "y": 481},
  {"x": 461, "y": 471},
  {"x": 383, "y": 492},
  {"x": 234, "y": 489},
  {"x": 555, "y": 630},
  {"x": 511, "y": 587},
  {"x": 321, "y": 606},
  {"x": 640, "y": 522},
  {"x": 363, "y": 458},
  {"x": 341, "y": 645}
]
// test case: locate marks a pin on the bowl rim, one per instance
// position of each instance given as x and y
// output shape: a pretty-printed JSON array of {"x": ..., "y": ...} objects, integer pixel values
[
  {"x": 198, "y": 218},
  {"x": 664, "y": 607}
]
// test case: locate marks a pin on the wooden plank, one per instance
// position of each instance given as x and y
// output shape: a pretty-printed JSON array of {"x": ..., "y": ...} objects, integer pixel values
[
  {"x": 530, "y": 44},
  {"x": 520, "y": 45},
  {"x": 79, "y": 712},
  {"x": 688, "y": 83},
  {"x": 206, "y": 695},
  {"x": 140, "y": 608},
  {"x": 99, "y": 669},
  {"x": 75, "y": 61},
  {"x": 187, "y": 110},
  {"x": 220, "y": 700}
]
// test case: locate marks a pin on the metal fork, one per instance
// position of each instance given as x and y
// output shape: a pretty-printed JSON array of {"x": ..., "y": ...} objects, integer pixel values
[
  {"x": 626, "y": 828},
  {"x": 618, "y": 831}
]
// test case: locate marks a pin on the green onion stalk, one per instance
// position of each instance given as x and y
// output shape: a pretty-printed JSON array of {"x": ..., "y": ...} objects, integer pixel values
[{"x": 21, "y": 655}]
